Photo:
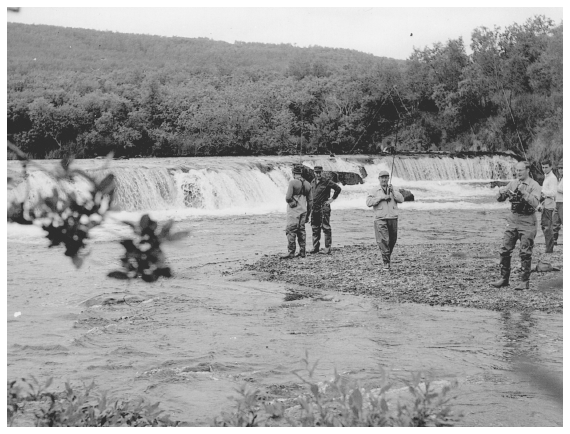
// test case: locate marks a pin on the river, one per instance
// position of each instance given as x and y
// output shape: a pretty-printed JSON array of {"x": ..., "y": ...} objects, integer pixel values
[{"x": 209, "y": 329}]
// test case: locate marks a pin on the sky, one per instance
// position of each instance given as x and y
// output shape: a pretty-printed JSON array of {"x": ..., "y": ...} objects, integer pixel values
[{"x": 382, "y": 31}]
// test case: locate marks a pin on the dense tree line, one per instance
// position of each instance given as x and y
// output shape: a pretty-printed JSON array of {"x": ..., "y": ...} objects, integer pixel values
[{"x": 84, "y": 92}]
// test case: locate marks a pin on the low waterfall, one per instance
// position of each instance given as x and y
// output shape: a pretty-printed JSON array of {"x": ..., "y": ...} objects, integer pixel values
[{"x": 258, "y": 184}]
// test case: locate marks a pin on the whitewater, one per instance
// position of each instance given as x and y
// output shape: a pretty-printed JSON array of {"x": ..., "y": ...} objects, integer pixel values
[{"x": 182, "y": 188}]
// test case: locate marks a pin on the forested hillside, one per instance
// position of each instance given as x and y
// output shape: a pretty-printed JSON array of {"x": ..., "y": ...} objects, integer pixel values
[{"x": 85, "y": 92}]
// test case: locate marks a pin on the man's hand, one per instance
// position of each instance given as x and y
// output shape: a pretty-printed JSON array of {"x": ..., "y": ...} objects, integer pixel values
[
  {"x": 503, "y": 190},
  {"x": 328, "y": 202},
  {"x": 390, "y": 189}
]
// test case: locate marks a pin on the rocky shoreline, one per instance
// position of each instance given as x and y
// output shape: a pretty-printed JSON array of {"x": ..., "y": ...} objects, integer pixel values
[{"x": 434, "y": 274}]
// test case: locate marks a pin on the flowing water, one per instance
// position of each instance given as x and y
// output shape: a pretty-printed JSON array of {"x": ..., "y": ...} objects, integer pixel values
[{"x": 198, "y": 336}]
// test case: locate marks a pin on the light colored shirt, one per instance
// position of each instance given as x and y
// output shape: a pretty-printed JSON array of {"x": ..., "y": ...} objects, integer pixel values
[
  {"x": 559, "y": 192},
  {"x": 549, "y": 190},
  {"x": 384, "y": 209}
]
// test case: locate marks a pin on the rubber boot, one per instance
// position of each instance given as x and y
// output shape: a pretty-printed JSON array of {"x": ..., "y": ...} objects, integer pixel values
[
  {"x": 505, "y": 272},
  {"x": 289, "y": 255},
  {"x": 525, "y": 275},
  {"x": 301, "y": 253}
]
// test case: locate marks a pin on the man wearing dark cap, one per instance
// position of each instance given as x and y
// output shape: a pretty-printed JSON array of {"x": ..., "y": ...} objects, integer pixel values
[
  {"x": 299, "y": 203},
  {"x": 524, "y": 195},
  {"x": 321, "y": 215},
  {"x": 384, "y": 200}
]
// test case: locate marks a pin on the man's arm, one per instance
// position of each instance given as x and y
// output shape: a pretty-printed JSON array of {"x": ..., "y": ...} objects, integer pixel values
[
  {"x": 289, "y": 194},
  {"x": 336, "y": 189},
  {"x": 375, "y": 198},
  {"x": 398, "y": 197},
  {"x": 503, "y": 191},
  {"x": 559, "y": 189}
]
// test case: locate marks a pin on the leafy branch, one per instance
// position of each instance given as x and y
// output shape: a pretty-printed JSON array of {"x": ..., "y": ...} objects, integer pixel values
[{"x": 68, "y": 217}]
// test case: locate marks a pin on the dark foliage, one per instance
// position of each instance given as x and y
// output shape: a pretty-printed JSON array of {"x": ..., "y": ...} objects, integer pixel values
[
  {"x": 143, "y": 256},
  {"x": 86, "y": 93}
]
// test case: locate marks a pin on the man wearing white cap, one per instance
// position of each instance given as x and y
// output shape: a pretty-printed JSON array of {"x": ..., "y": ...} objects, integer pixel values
[{"x": 384, "y": 201}]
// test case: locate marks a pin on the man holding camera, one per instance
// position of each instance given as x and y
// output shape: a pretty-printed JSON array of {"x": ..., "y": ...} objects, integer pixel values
[
  {"x": 384, "y": 201},
  {"x": 524, "y": 195}
]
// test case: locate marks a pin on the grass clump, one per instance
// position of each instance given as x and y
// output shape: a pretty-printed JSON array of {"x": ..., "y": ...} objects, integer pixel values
[
  {"x": 29, "y": 400},
  {"x": 341, "y": 402}
]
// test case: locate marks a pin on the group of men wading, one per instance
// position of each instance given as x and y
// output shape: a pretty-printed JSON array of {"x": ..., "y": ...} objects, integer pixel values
[{"x": 313, "y": 200}]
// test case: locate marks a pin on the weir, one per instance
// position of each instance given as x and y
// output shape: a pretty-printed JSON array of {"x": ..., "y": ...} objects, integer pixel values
[{"x": 259, "y": 183}]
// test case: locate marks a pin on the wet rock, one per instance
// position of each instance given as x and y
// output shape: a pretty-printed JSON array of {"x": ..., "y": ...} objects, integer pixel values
[
  {"x": 113, "y": 298},
  {"x": 494, "y": 184},
  {"x": 345, "y": 178},
  {"x": 408, "y": 195}
]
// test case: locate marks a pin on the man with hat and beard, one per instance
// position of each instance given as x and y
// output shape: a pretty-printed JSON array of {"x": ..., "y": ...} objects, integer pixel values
[
  {"x": 384, "y": 201},
  {"x": 299, "y": 203},
  {"x": 321, "y": 214}
]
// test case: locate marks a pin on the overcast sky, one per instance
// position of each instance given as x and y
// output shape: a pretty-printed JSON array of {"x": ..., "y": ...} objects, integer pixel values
[{"x": 390, "y": 32}]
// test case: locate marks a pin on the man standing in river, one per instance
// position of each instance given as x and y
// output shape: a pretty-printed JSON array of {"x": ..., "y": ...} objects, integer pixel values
[
  {"x": 558, "y": 213},
  {"x": 524, "y": 195},
  {"x": 548, "y": 207},
  {"x": 384, "y": 201},
  {"x": 321, "y": 213},
  {"x": 299, "y": 203}
]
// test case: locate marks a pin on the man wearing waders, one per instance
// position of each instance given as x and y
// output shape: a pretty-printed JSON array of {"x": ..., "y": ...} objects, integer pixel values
[
  {"x": 524, "y": 195},
  {"x": 558, "y": 214},
  {"x": 384, "y": 200},
  {"x": 299, "y": 203},
  {"x": 548, "y": 207},
  {"x": 321, "y": 214}
]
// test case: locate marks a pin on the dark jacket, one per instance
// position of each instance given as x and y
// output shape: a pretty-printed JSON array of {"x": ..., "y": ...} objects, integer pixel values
[{"x": 322, "y": 191}]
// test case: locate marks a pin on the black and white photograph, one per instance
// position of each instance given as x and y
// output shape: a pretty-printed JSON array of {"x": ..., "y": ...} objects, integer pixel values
[{"x": 284, "y": 214}]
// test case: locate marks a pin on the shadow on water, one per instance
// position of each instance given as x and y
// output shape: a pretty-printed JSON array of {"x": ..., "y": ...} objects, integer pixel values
[{"x": 524, "y": 355}]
